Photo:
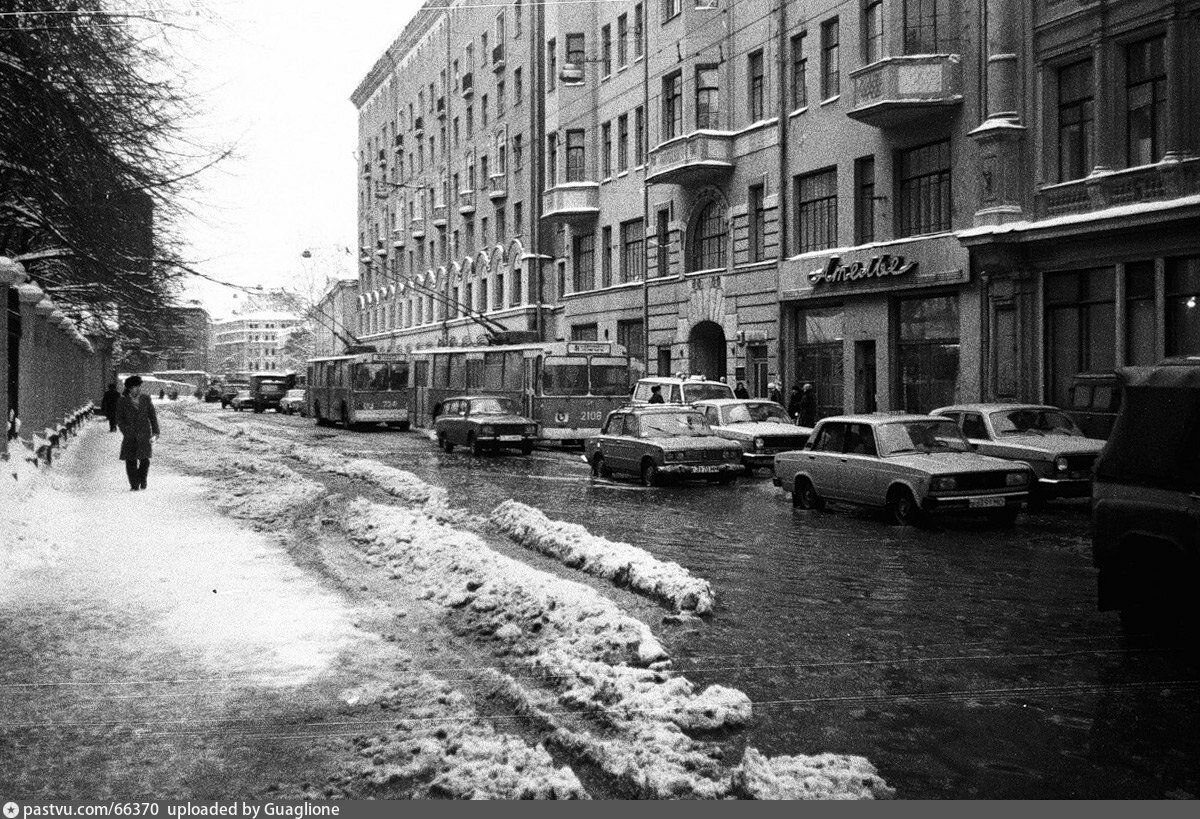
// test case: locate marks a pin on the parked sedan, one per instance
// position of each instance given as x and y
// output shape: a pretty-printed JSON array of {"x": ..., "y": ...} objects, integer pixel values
[
  {"x": 762, "y": 427},
  {"x": 483, "y": 423},
  {"x": 910, "y": 465},
  {"x": 294, "y": 401},
  {"x": 1043, "y": 437},
  {"x": 242, "y": 400},
  {"x": 657, "y": 442}
]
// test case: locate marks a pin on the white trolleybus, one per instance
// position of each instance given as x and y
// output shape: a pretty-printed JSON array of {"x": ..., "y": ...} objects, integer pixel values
[
  {"x": 567, "y": 387},
  {"x": 359, "y": 389}
]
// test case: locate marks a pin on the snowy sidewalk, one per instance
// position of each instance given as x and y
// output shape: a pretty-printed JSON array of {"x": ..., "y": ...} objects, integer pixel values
[{"x": 146, "y": 614}]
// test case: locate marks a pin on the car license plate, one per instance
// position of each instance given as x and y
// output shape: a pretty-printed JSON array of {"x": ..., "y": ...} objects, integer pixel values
[
  {"x": 985, "y": 503},
  {"x": 704, "y": 469},
  {"x": 509, "y": 438}
]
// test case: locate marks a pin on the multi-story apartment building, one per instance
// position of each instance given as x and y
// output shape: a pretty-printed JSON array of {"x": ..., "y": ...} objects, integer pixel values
[
  {"x": 836, "y": 192},
  {"x": 252, "y": 342},
  {"x": 334, "y": 319}
]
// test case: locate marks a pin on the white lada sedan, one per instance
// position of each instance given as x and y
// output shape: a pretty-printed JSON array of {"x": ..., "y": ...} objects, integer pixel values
[{"x": 910, "y": 465}]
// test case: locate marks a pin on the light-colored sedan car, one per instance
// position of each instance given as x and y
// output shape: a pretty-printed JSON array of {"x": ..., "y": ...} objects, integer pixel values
[
  {"x": 484, "y": 423},
  {"x": 910, "y": 465},
  {"x": 1043, "y": 437},
  {"x": 762, "y": 427},
  {"x": 242, "y": 400},
  {"x": 657, "y": 442},
  {"x": 294, "y": 401}
]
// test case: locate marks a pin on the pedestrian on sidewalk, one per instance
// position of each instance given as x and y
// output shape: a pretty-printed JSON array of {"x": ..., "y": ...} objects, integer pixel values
[
  {"x": 108, "y": 405},
  {"x": 139, "y": 430}
]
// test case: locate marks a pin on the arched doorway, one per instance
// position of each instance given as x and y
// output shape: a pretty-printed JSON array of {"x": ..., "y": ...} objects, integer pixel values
[{"x": 706, "y": 349}]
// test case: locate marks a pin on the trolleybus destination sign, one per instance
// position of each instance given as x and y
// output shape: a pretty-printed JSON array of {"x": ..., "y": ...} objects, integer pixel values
[{"x": 588, "y": 348}]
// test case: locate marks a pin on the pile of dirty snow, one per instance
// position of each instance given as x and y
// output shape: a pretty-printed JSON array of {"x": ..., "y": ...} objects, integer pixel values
[
  {"x": 822, "y": 776},
  {"x": 622, "y": 563}
]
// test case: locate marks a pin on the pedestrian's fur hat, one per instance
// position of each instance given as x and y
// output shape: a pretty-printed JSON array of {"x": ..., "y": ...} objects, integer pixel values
[{"x": 133, "y": 381}]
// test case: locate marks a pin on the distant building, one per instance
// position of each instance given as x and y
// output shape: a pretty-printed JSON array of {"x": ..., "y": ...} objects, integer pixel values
[
  {"x": 252, "y": 342},
  {"x": 189, "y": 347},
  {"x": 335, "y": 318}
]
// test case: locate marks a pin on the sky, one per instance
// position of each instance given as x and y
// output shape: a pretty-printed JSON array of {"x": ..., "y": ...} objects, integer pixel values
[{"x": 274, "y": 78}]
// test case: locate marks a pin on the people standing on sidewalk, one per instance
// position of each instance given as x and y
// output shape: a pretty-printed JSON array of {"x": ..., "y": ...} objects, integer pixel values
[
  {"x": 138, "y": 422},
  {"x": 775, "y": 392},
  {"x": 108, "y": 405},
  {"x": 808, "y": 407}
]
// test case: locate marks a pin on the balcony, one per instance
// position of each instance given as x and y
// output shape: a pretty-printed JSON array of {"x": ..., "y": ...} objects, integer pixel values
[
  {"x": 572, "y": 202},
  {"x": 468, "y": 85},
  {"x": 896, "y": 90},
  {"x": 498, "y": 187},
  {"x": 419, "y": 125},
  {"x": 398, "y": 238},
  {"x": 498, "y": 58},
  {"x": 571, "y": 74},
  {"x": 1133, "y": 186},
  {"x": 417, "y": 228},
  {"x": 366, "y": 170},
  {"x": 440, "y": 107},
  {"x": 466, "y": 202},
  {"x": 701, "y": 156},
  {"x": 440, "y": 216}
]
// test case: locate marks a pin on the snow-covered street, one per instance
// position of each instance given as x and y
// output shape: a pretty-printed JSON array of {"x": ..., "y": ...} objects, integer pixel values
[{"x": 272, "y": 620}]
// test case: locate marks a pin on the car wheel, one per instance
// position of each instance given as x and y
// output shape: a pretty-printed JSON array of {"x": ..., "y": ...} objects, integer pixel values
[
  {"x": 527, "y": 447},
  {"x": 1005, "y": 518},
  {"x": 445, "y": 443},
  {"x": 478, "y": 448},
  {"x": 902, "y": 508},
  {"x": 725, "y": 480},
  {"x": 650, "y": 474},
  {"x": 804, "y": 496}
]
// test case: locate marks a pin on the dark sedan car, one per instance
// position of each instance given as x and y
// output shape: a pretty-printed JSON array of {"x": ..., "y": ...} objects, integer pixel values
[
  {"x": 484, "y": 423},
  {"x": 661, "y": 441}
]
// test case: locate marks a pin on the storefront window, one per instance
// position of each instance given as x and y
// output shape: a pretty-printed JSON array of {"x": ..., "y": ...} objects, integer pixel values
[
  {"x": 1080, "y": 327},
  {"x": 928, "y": 352},
  {"x": 1139, "y": 313},
  {"x": 1183, "y": 306},
  {"x": 819, "y": 333}
]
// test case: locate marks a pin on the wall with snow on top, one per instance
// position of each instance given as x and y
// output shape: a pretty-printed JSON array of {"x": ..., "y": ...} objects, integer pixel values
[{"x": 624, "y": 564}]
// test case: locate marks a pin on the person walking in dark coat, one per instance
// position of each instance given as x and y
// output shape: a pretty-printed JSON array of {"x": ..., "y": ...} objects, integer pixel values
[
  {"x": 793, "y": 406},
  {"x": 108, "y": 405},
  {"x": 740, "y": 390},
  {"x": 775, "y": 392},
  {"x": 139, "y": 429},
  {"x": 808, "y": 407}
]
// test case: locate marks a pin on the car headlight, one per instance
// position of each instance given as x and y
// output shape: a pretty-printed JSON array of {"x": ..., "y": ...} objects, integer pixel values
[
  {"x": 732, "y": 454},
  {"x": 759, "y": 443},
  {"x": 672, "y": 456},
  {"x": 1060, "y": 463},
  {"x": 487, "y": 430},
  {"x": 944, "y": 483},
  {"x": 1016, "y": 478},
  {"x": 531, "y": 429}
]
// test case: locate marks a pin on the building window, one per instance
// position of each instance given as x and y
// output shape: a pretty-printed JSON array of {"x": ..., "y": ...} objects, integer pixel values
[
  {"x": 670, "y": 8},
  {"x": 755, "y": 90},
  {"x": 622, "y": 37},
  {"x": 872, "y": 31},
  {"x": 552, "y": 63},
  {"x": 637, "y": 30},
  {"x": 923, "y": 20},
  {"x": 517, "y": 296},
  {"x": 831, "y": 76},
  {"x": 606, "y": 50},
  {"x": 864, "y": 200},
  {"x": 816, "y": 211},
  {"x": 819, "y": 340},
  {"x": 1183, "y": 306},
  {"x": 575, "y": 50},
  {"x": 758, "y": 224},
  {"x": 552, "y": 158},
  {"x": 1140, "y": 314},
  {"x": 483, "y": 110},
  {"x": 518, "y": 88},
  {"x": 664, "y": 242},
  {"x": 501, "y": 224},
  {"x": 1080, "y": 328},
  {"x": 672, "y": 105},
  {"x": 1075, "y": 123},
  {"x": 517, "y": 153},
  {"x": 928, "y": 352},
  {"x": 499, "y": 98},
  {"x": 708, "y": 100},
  {"x": 1145, "y": 100},
  {"x": 799, "y": 73},
  {"x": 924, "y": 189},
  {"x": 518, "y": 220},
  {"x": 633, "y": 253},
  {"x": 639, "y": 136},
  {"x": 517, "y": 9},
  {"x": 583, "y": 256},
  {"x": 632, "y": 337},
  {"x": 606, "y": 149},
  {"x": 623, "y": 142},
  {"x": 585, "y": 332},
  {"x": 708, "y": 238},
  {"x": 575, "y": 156},
  {"x": 606, "y": 260}
]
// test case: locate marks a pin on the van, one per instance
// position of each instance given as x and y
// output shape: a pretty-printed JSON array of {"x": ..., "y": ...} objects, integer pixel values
[
  {"x": 1146, "y": 497},
  {"x": 680, "y": 390}
]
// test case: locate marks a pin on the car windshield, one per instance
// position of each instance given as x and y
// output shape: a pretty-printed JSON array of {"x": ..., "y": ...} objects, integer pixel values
[
  {"x": 755, "y": 412},
  {"x": 705, "y": 392},
  {"x": 565, "y": 379},
  {"x": 920, "y": 436},
  {"x": 493, "y": 406},
  {"x": 610, "y": 379},
  {"x": 673, "y": 425},
  {"x": 1033, "y": 421}
]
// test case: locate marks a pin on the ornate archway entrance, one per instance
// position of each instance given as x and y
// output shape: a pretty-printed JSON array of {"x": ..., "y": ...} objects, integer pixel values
[{"x": 706, "y": 349}]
